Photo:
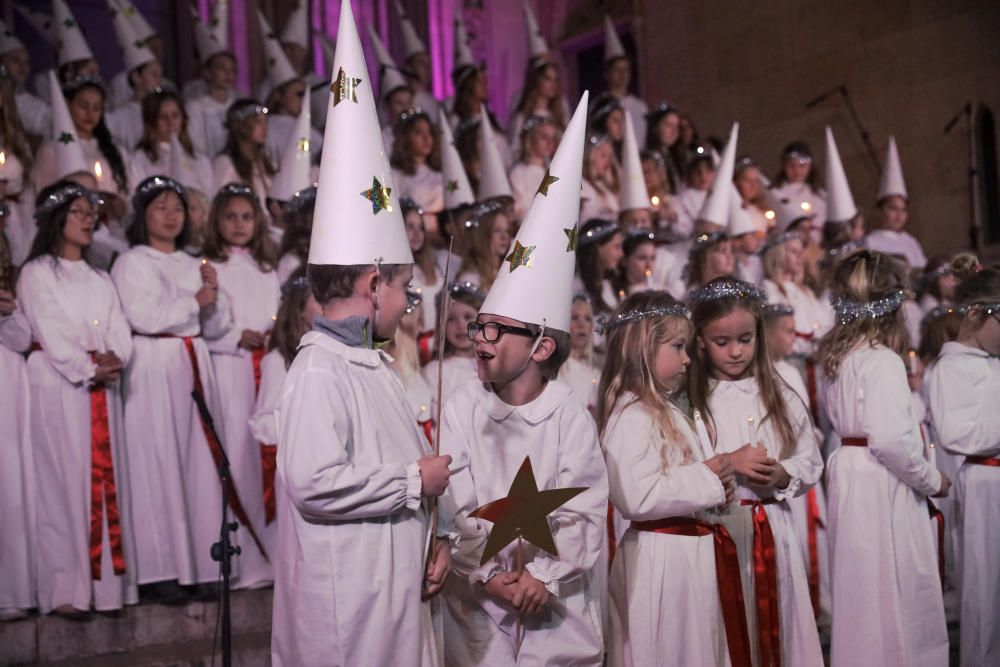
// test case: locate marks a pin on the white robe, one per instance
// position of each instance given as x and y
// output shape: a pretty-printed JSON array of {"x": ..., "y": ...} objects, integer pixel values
[
  {"x": 19, "y": 226},
  {"x": 795, "y": 194},
  {"x": 199, "y": 174},
  {"x": 964, "y": 387},
  {"x": 351, "y": 525},
  {"x": 814, "y": 317},
  {"x": 264, "y": 429},
  {"x": 456, "y": 372},
  {"x": 732, "y": 405},
  {"x": 597, "y": 202},
  {"x": 35, "y": 113},
  {"x": 253, "y": 296},
  {"x": 206, "y": 123},
  {"x": 17, "y": 477},
  {"x": 280, "y": 128},
  {"x": 287, "y": 265},
  {"x": 582, "y": 378},
  {"x": 429, "y": 293},
  {"x": 179, "y": 510},
  {"x": 750, "y": 270},
  {"x": 688, "y": 204},
  {"x": 664, "y": 596},
  {"x": 73, "y": 309},
  {"x": 425, "y": 187},
  {"x": 125, "y": 124},
  {"x": 524, "y": 182},
  {"x": 225, "y": 173},
  {"x": 668, "y": 271},
  {"x": 887, "y": 602},
  {"x": 637, "y": 110},
  {"x": 897, "y": 243},
  {"x": 488, "y": 441}
]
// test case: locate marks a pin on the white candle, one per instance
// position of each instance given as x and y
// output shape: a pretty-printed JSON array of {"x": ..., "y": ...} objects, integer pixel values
[
  {"x": 3, "y": 166},
  {"x": 98, "y": 173}
]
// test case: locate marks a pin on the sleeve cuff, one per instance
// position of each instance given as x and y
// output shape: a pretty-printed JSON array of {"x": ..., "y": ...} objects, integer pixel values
[
  {"x": 720, "y": 490},
  {"x": 551, "y": 585},
  {"x": 413, "y": 486},
  {"x": 483, "y": 574},
  {"x": 790, "y": 491}
]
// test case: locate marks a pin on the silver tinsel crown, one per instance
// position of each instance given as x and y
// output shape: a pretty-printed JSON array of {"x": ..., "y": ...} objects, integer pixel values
[
  {"x": 936, "y": 314},
  {"x": 247, "y": 111},
  {"x": 772, "y": 310},
  {"x": 237, "y": 190},
  {"x": 728, "y": 288},
  {"x": 295, "y": 284},
  {"x": 605, "y": 325},
  {"x": 471, "y": 289},
  {"x": 606, "y": 108},
  {"x": 775, "y": 241},
  {"x": 533, "y": 122},
  {"x": 64, "y": 194},
  {"x": 412, "y": 113},
  {"x": 156, "y": 184},
  {"x": 848, "y": 310},
  {"x": 988, "y": 307},
  {"x": 598, "y": 139},
  {"x": 598, "y": 233}
]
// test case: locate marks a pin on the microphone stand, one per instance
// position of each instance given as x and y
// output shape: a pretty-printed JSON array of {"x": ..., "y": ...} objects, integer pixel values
[
  {"x": 976, "y": 231},
  {"x": 222, "y": 551},
  {"x": 865, "y": 135}
]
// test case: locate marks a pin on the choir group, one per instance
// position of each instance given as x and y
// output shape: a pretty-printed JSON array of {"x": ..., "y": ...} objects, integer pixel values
[{"x": 785, "y": 420}]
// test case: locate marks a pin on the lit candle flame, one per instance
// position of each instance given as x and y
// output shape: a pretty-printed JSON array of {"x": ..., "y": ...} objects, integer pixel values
[
  {"x": 806, "y": 206},
  {"x": 204, "y": 261},
  {"x": 769, "y": 215},
  {"x": 648, "y": 273},
  {"x": 654, "y": 200},
  {"x": 3, "y": 158},
  {"x": 98, "y": 171}
]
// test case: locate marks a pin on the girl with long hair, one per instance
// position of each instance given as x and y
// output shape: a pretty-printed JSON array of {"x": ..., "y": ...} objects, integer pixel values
[
  {"x": 582, "y": 371},
  {"x": 635, "y": 271},
  {"x": 541, "y": 97},
  {"x": 663, "y": 133},
  {"x": 163, "y": 118},
  {"x": 538, "y": 139},
  {"x": 297, "y": 224},
  {"x": 598, "y": 254},
  {"x": 459, "y": 365},
  {"x": 416, "y": 161},
  {"x": 599, "y": 190},
  {"x": 428, "y": 277},
  {"x": 488, "y": 244},
  {"x": 711, "y": 257},
  {"x": 15, "y": 188},
  {"x": 244, "y": 157},
  {"x": 798, "y": 182}
]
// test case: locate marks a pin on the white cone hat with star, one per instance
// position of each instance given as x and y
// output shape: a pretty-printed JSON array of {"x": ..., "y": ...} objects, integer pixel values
[
  {"x": 535, "y": 282},
  {"x": 390, "y": 78},
  {"x": 493, "y": 182},
  {"x": 8, "y": 40},
  {"x": 135, "y": 53},
  {"x": 412, "y": 44},
  {"x": 537, "y": 47},
  {"x": 140, "y": 26},
  {"x": 69, "y": 152},
  {"x": 892, "y": 182},
  {"x": 358, "y": 218},
  {"x": 40, "y": 21},
  {"x": 293, "y": 172},
  {"x": 634, "y": 194},
  {"x": 613, "y": 48},
  {"x": 279, "y": 69},
  {"x": 840, "y": 202},
  {"x": 206, "y": 40},
  {"x": 297, "y": 26},
  {"x": 70, "y": 42},
  {"x": 716, "y": 207},
  {"x": 457, "y": 190}
]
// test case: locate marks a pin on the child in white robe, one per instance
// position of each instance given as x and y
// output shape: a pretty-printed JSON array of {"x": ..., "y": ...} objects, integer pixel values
[
  {"x": 238, "y": 247},
  {"x": 538, "y": 138},
  {"x": 964, "y": 392},
  {"x": 887, "y": 602},
  {"x": 753, "y": 415},
  {"x": 581, "y": 372},
  {"x": 244, "y": 159},
  {"x": 416, "y": 162},
  {"x": 163, "y": 116},
  {"x": 173, "y": 303},
  {"x": 405, "y": 352},
  {"x": 661, "y": 480},
  {"x": 459, "y": 365},
  {"x": 85, "y": 541}
]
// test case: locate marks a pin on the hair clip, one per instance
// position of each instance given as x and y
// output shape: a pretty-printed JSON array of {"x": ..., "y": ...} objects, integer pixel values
[
  {"x": 849, "y": 310},
  {"x": 605, "y": 325}
]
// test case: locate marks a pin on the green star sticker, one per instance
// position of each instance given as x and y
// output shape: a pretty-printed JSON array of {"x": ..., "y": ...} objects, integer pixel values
[
  {"x": 451, "y": 186},
  {"x": 69, "y": 23},
  {"x": 520, "y": 256},
  {"x": 572, "y": 237},
  {"x": 129, "y": 10},
  {"x": 66, "y": 138},
  {"x": 548, "y": 180},
  {"x": 270, "y": 62},
  {"x": 378, "y": 194},
  {"x": 343, "y": 88},
  {"x": 139, "y": 44}
]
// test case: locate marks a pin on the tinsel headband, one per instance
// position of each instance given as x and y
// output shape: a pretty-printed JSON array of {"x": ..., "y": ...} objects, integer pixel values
[
  {"x": 775, "y": 241},
  {"x": 604, "y": 326},
  {"x": 839, "y": 252},
  {"x": 64, "y": 195},
  {"x": 598, "y": 233},
  {"x": 605, "y": 109},
  {"x": 413, "y": 113},
  {"x": 237, "y": 190},
  {"x": 728, "y": 288},
  {"x": 848, "y": 310},
  {"x": 300, "y": 200},
  {"x": 466, "y": 288},
  {"x": 153, "y": 186},
  {"x": 244, "y": 112},
  {"x": 774, "y": 310},
  {"x": 659, "y": 111},
  {"x": 295, "y": 284},
  {"x": 936, "y": 314},
  {"x": 414, "y": 297},
  {"x": 70, "y": 87},
  {"x": 533, "y": 122},
  {"x": 988, "y": 307},
  {"x": 598, "y": 139}
]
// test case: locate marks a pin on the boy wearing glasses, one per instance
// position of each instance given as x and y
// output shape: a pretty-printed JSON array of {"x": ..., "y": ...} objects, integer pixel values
[
  {"x": 516, "y": 409},
  {"x": 353, "y": 466}
]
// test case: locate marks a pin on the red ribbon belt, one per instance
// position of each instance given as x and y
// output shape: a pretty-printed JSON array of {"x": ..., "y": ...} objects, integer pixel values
[
  {"x": 936, "y": 514},
  {"x": 268, "y": 467},
  {"x": 851, "y": 441},
  {"x": 213, "y": 445},
  {"x": 765, "y": 584},
  {"x": 983, "y": 461},
  {"x": 805, "y": 336},
  {"x": 612, "y": 542},
  {"x": 256, "y": 356},
  {"x": 424, "y": 341},
  {"x": 103, "y": 490},
  {"x": 727, "y": 574},
  {"x": 428, "y": 427},
  {"x": 812, "y": 388},
  {"x": 813, "y": 524}
]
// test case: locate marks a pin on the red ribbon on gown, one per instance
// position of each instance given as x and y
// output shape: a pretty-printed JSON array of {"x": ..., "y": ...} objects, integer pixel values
[
  {"x": 612, "y": 542},
  {"x": 268, "y": 453},
  {"x": 765, "y": 569},
  {"x": 727, "y": 574},
  {"x": 813, "y": 524}
]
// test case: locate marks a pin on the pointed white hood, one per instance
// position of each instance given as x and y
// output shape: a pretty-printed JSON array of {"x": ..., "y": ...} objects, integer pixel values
[
  {"x": 537, "y": 47},
  {"x": 613, "y": 48},
  {"x": 279, "y": 69},
  {"x": 840, "y": 205},
  {"x": 69, "y": 38},
  {"x": 293, "y": 172},
  {"x": 457, "y": 190},
  {"x": 69, "y": 152},
  {"x": 8, "y": 40},
  {"x": 716, "y": 207},
  {"x": 135, "y": 53},
  {"x": 892, "y": 182},
  {"x": 493, "y": 181},
  {"x": 296, "y": 29},
  {"x": 634, "y": 194},
  {"x": 412, "y": 44}
]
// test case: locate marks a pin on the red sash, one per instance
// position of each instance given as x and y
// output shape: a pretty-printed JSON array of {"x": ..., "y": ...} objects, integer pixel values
[
  {"x": 812, "y": 388},
  {"x": 983, "y": 461},
  {"x": 854, "y": 442},
  {"x": 428, "y": 427},
  {"x": 765, "y": 569},
  {"x": 813, "y": 524},
  {"x": 936, "y": 515},
  {"x": 268, "y": 467},
  {"x": 727, "y": 573},
  {"x": 424, "y": 341},
  {"x": 612, "y": 542},
  {"x": 256, "y": 356}
]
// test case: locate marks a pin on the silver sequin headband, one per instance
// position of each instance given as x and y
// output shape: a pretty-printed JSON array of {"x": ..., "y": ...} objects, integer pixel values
[
  {"x": 155, "y": 184},
  {"x": 62, "y": 196},
  {"x": 606, "y": 109},
  {"x": 936, "y": 314},
  {"x": 237, "y": 190},
  {"x": 848, "y": 311},
  {"x": 249, "y": 110},
  {"x": 598, "y": 139},
  {"x": 413, "y": 300},
  {"x": 70, "y": 87},
  {"x": 726, "y": 289},
  {"x": 533, "y": 122},
  {"x": 598, "y": 233},
  {"x": 605, "y": 325},
  {"x": 773, "y": 310},
  {"x": 466, "y": 288},
  {"x": 661, "y": 109},
  {"x": 294, "y": 285},
  {"x": 988, "y": 307},
  {"x": 778, "y": 240},
  {"x": 411, "y": 113}
]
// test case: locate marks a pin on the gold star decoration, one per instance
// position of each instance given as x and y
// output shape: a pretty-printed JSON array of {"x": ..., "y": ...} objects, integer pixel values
[
  {"x": 66, "y": 138},
  {"x": 343, "y": 88},
  {"x": 303, "y": 145},
  {"x": 519, "y": 256},
  {"x": 129, "y": 10},
  {"x": 522, "y": 514},
  {"x": 378, "y": 194},
  {"x": 572, "y": 237},
  {"x": 548, "y": 180},
  {"x": 451, "y": 186}
]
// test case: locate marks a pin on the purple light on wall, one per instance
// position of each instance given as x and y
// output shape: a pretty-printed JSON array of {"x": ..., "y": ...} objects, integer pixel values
[
  {"x": 440, "y": 18},
  {"x": 239, "y": 43}
]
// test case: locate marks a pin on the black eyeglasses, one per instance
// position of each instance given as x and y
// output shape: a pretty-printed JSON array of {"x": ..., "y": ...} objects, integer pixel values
[{"x": 493, "y": 331}]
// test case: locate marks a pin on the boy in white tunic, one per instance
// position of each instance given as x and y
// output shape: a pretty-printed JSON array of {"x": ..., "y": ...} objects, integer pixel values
[
  {"x": 893, "y": 206},
  {"x": 521, "y": 340},
  {"x": 353, "y": 467}
]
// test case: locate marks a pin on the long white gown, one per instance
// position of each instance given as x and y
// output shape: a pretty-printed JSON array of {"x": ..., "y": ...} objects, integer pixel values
[
  {"x": 352, "y": 527},
  {"x": 734, "y": 405},
  {"x": 456, "y": 371},
  {"x": 488, "y": 441},
  {"x": 207, "y": 123},
  {"x": 664, "y": 595},
  {"x": 887, "y": 603},
  {"x": 179, "y": 510},
  {"x": 897, "y": 243},
  {"x": 73, "y": 309},
  {"x": 253, "y": 296},
  {"x": 199, "y": 167},
  {"x": 17, "y": 521},
  {"x": 964, "y": 388},
  {"x": 264, "y": 429}
]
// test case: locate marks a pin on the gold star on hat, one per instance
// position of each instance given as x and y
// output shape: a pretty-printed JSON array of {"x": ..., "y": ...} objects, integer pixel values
[
  {"x": 548, "y": 180},
  {"x": 303, "y": 145},
  {"x": 572, "y": 237},
  {"x": 519, "y": 256},
  {"x": 378, "y": 194},
  {"x": 343, "y": 87}
]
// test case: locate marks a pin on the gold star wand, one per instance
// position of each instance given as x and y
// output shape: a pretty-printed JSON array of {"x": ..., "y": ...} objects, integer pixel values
[{"x": 522, "y": 516}]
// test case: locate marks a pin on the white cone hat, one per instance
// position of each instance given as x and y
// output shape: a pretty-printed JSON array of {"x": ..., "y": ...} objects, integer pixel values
[
  {"x": 390, "y": 78},
  {"x": 535, "y": 283},
  {"x": 716, "y": 207},
  {"x": 40, "y": 21},
  {"x": 69, "y": 152},
  {"x": 220, "y": 22},
  {"x": 892, "y": 182},
  {"x": 328, "y": 46},
  {"x": 840, "y": 205},
  {"x": 297, "y": 26},
  {"x": 634, "y": 194},
  {"x": 8, "y": 40},
  {"x": 493, "y": 181},
  {"x": 612, "y": 42},
  {"x": 457, "y": 190},
  {"x": 740, "y": 220},
  {"x": 135, "y": 53},
  {"x": 412, "y": 44},
  {"x": 140, "y": 26},
  {"x": 293, "y": 172},
  {"x": 208, "y": 44},
  {"x": 358, "y": 219},
  {"x": 279, "y": 69},
  {"x": 70, "y": 42},
  {"x": 463, "y": 54},
  {"x": 537, "y": 47}
]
